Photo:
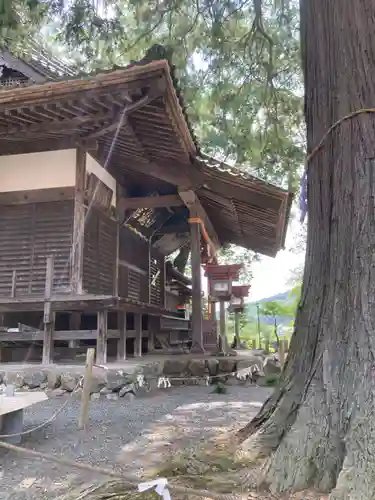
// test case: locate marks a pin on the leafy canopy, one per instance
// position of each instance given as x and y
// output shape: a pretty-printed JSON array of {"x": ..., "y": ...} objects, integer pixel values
[{"x": 237, "y": 62}]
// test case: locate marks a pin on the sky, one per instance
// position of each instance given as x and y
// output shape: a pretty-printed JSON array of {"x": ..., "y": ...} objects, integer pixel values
[{"x": 272, "y": 275}]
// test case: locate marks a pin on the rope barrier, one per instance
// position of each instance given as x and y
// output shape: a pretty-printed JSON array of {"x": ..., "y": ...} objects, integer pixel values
[
  {"x": 43, "y": 424},
  {"x": 126, "y": 481}
]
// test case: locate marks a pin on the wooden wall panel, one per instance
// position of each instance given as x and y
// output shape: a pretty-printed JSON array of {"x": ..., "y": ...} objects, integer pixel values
[
  {"x": 29, "y": 233},
  {"x": 99, "y": 253},
  {"x": 134, "y": 269}
]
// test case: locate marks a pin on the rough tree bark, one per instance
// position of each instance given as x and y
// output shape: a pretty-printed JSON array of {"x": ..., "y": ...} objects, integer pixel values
[{"x": 318, "y": 429}]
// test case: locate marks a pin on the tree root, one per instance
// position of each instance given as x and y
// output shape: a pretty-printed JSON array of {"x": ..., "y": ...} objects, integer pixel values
[{"x": 356, "y": 480}]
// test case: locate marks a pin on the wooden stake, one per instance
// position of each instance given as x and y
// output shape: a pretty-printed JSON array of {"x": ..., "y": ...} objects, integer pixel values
[{"x": 84, "y": 413}]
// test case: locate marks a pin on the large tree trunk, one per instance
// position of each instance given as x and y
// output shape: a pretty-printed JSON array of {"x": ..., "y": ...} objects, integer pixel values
[{"x": 318, "y": 429}]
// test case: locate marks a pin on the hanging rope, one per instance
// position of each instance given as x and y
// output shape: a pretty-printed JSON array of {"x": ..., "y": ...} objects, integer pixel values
[{"x": 303, "y": 186}]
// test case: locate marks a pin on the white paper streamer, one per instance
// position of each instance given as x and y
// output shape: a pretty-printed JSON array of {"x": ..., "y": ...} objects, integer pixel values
[
  {"x": 160, "y": 486},
  {"x": 164, "y": 382}
]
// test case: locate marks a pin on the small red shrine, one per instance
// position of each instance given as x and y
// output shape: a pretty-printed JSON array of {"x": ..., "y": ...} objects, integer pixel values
[
  {"x": 237, "y": 301},
  {"x": 220, "y": 279}
]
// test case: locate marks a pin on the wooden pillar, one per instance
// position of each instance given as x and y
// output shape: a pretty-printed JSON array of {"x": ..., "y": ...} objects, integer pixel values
[
  {"x": 237, "y": 339},
  {"x": 49, "y": 317},
  {"x": 138, "y": 335},
  {"x": 121, "y": 343},
  {"x": 267, "y": 346},
  {"x": 153, "y": 328},
  {"x": 223, "y": 337},
  {"x": 74, "y": 324},
  {"x": 79, "y": 221},
  {"x": 119, "y": 221},
  {"x": 101, "y": 341},
  {"x": 196, "y": 323}
]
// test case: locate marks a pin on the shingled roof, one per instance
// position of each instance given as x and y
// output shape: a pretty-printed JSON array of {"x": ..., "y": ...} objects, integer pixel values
[{"x": 154, "y": 149}]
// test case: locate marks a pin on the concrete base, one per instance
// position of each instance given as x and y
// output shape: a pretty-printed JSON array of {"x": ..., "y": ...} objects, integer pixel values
[{"x": 11, "y": 423}]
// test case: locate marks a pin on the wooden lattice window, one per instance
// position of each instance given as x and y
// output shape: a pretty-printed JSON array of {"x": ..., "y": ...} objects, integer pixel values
[
  {"x": 134, "y": 285},
  {"x": 98, "y": 193}
]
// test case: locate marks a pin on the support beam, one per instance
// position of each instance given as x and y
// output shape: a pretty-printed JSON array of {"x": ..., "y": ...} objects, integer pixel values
[
  {"x": 49, "y": 316},
  {"x": 197, "y": 320},
  {"x": 102, "y": 334},
  {"x": 138, "y": 335},
  {"x": 237, "y": 340},
  {"x": 223, "y": 337},
  {"x": 192, "y": 202},
  {"x": 117, "y": 263},
  {"x": 169, "y": 200},
  {"x": 121, "y": 343},
  {"x": 74, "y": 324},
  {"x": 184, "y": 175},
  {"x": 79, "y": 221}
]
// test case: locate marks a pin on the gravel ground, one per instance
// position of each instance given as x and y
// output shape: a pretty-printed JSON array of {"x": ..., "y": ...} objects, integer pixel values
[{"x": 120, "y": 435}]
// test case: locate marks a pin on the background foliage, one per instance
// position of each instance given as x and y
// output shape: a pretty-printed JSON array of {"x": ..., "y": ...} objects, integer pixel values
[{"x": 237, "y": 62}]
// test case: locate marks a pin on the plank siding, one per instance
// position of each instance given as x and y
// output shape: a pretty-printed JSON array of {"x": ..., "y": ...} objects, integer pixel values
[
  {"x": 99, "y": 253},
  {"x": 134, "y": 252},
  {"x": 29, "y": 233}
]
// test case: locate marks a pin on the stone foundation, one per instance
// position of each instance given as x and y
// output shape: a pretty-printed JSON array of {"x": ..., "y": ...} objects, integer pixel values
[{"x": 113, "y": 383}]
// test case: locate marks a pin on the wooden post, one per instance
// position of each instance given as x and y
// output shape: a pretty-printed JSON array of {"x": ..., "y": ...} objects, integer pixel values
[
  {"x": 119, "y": 221},
  {"x": 282, "y": 353},
  {"x": 138, "y": 335},
  {"x": 84, "y": 413},
  {"x": 197, "y": 322},
  {"x": 121, "y": 343},
  {"x": 79, "y": 221},
  {"x": 49, "y": 317},
  {"x": 101, "y": 341},
  {"x": 151, "y": 341},
  {"x": 223, "y": 337},
  {"x": 254, "y": 344},
  {"x": 14, "y": 283},
  {"x": 153, "y": 328},
  {"x": 237, "y": 330},
  {"x": 267, "y": 346},
  {"x": 74, "y": 324}
]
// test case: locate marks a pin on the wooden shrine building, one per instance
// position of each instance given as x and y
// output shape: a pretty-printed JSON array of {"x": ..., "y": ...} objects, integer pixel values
[{"x": 101, "y": 180}]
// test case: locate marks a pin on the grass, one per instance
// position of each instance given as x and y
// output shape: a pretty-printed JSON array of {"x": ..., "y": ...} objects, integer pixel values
[
  {"x": 220, "y": 388},
  {"x": 272, "y": 379}
]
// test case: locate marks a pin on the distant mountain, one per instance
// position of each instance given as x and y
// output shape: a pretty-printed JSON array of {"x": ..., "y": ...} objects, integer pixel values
[
  {"x": 283, "y": 298},
  {"x": 280, "y": 297}
]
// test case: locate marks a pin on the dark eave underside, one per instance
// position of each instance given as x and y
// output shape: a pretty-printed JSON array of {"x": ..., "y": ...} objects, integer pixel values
[{"x": 152, "y": 152}]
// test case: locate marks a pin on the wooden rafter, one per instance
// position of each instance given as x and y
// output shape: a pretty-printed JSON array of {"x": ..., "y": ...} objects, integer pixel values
[
  {"x": 69, "y": 125},
  {"x": 121, "y": 118}
]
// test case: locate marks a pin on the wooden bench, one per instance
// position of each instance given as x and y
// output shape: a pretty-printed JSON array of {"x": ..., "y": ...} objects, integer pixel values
[{"x": 11, "y": 412}]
